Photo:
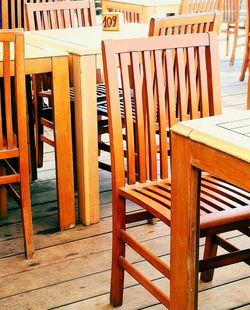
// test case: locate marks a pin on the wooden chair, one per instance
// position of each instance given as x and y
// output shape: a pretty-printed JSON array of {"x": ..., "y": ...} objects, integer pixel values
[
  {"x": 13, "y": 13},
  {"x": 233, "y": 16},
  {"x": 13, "y": 133},
  {"x": 12, "y": 16},
  {"x": 186, "y": 23},
  {"x": 54, "y": 15},
  {"x": 195, "y": 6},
  {"x": 174, "y": 78},
  {"x": 60, "y": 14}
]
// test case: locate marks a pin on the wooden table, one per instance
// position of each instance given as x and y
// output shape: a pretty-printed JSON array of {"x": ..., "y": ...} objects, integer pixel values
[
  {"x": 48, "y": 59},
  {"x": 84, "y": 46},
  {"x": 219, "y": 145},
  {"x": 144, "y": 9}
]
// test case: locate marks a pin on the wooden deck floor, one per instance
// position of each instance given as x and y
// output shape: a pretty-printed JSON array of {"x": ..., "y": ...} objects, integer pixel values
[{"x": 71, "y": 269}]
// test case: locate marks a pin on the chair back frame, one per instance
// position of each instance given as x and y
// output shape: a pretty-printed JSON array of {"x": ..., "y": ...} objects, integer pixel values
[
  {"x": 63, "y": 14},
  {"x": 13, "y": 13},
  {"x": 195, "y": 6},
  {"x": 186, "y": 23},
  {"x": 189, "y": 63}
]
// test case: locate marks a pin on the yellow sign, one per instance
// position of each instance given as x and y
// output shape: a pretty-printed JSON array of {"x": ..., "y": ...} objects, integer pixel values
[{"x": 110, "y": 21}]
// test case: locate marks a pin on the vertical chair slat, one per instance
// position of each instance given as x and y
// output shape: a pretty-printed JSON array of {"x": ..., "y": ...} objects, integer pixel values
[
  {"x": 202, "y": 77},
  {"x": 182, "y": 100},
  {"x": 13, "y": 15},
  {"x": 162, "y": 112},
  {"x": 213, "y": 84},
  {"x": 72, "y": 17},
  {"x": 60, "y": 21},
  {"x": 86, "y": 20},
  {"x": 7, "y": 95},
  {"x": 193, "y": 106},
  {"x": 171, "y": 95},
  {"x": 53, "y": 21},
  {"x": 140, "y": 129},
  {"x": 66, "y": 16},
  {"x": 46, "y": 20},
  {"x": 129, "y": 124},
  {"x": 79, "y": 18},
  {"x": 38, "y": 21},
  {"x": 151, "y": 114}
]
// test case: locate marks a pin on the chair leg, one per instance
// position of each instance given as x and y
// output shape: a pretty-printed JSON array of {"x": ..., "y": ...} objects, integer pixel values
[
  {"x": 118, "y": 249},
  {"x": 40, "y": 131},
  {"x": 27, "y": 222},
  {"x": 31, "y": 120},
  {"x": 236, "y": 32},
  {"x": 3, "y": 197},
  {"x": 210, "y": 251},
  {"x": 25, "y": 203}
]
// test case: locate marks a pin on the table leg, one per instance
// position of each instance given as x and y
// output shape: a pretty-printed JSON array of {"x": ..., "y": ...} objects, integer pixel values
[
  {"x": 63, "y": 142},
  {"x": 184, "y": 226},
  {"x": 147, "y": 13},
  {"x": 84, "y": 81}
]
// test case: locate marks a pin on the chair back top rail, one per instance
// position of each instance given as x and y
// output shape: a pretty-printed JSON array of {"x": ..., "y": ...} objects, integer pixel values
[
  {"x": 186, "y": 23},
  {"x": 64, "y": 14},
  {"x": 173, "y": 78}
]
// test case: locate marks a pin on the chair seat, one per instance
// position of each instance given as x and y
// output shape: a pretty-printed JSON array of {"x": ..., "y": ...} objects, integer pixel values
[{"x": 221, "y": 203}]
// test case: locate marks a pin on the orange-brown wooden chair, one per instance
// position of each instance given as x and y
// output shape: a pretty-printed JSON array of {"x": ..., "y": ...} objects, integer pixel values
[
  {"x": 174, "y": 78},
  {"x": 60, "y": 14},
  {"x": 13, "y": 133},
  {"x": 54, "y": 15},
  {"x": 186, "y": 23},
  {"x": 13, "y": 12},
  {"x": 195, "y": 6},
  {"x": 234, "y": 19}
]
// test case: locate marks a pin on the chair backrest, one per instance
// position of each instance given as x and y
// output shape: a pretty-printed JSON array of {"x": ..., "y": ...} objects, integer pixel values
[
  {"x": 12, "y": 13},
  {"x": 174, "y": 78},
  {"x": 230, "y": 12},
  {"x": 186, "y": 23},
  {"x": 195, "y": 6},
  {"x": 60, "y": 14},
  {"x": 13, "y": 125}
]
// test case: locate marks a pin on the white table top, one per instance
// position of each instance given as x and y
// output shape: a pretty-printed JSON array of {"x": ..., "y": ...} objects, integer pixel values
[
  {"x": 229, "y": 133},
  {"x": 83, "y": 41},
  {"x": 150, "y": 2}
]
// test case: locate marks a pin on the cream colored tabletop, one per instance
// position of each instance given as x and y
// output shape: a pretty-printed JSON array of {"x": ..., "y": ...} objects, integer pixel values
[
  {"x": 229, "y": 132},
  {"x": 83, "y": 41}
]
